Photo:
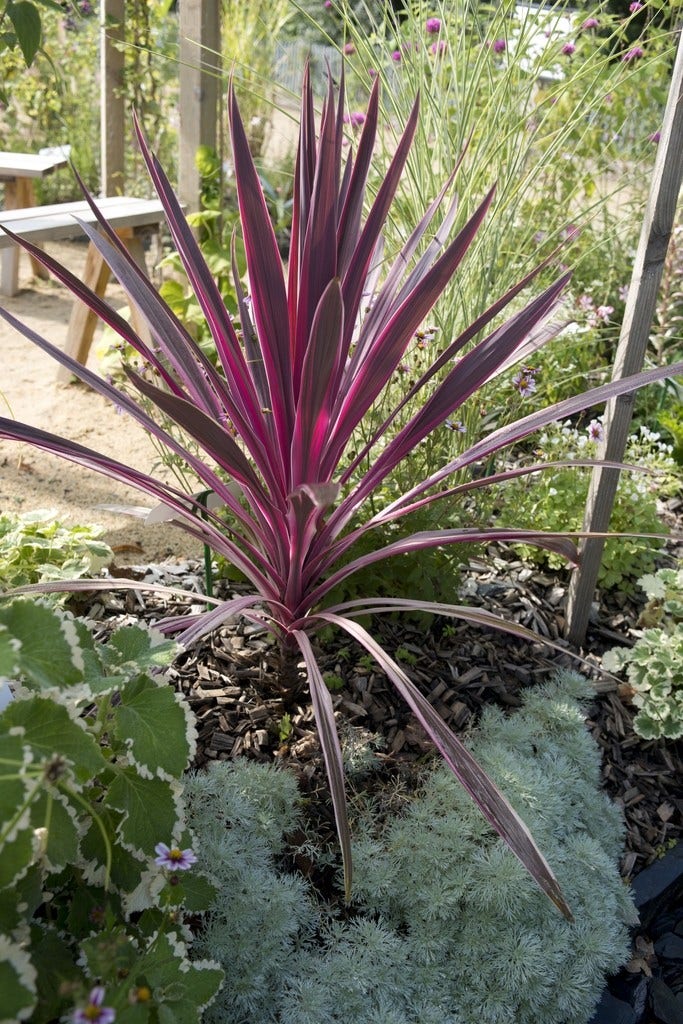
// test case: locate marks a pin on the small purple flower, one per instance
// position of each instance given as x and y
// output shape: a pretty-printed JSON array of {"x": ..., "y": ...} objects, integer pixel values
[
  {"x": 623, "y": 292},
  {"x": 93, "y": 1012},
  {"x": 590, "y": 23},
  {"x": 570, "y": 233},
  {"x": 433, "y": 25},
  {"x": 372, "y": 73},
  {"x": 349, "y": 48},
  {"x": 604, "y": 313},
  {"x": 357, "y": 118},
  {"x": 585, "y": 302},
  {"x": 654, "y": 137},
  {"x": 595, "y": 431},
  {"x": 633, "y": 53},
  {"x": 568, "y": 49},
  {"x": 525, "y": 381},
  {"x": 457, "y": 425},
  {"x": 397, "y": 56},
  {"x": 173, "y": 857},
  {"x": 328, "y": 3},
  {"x": 439, "y": 47},
  {"x": 635, "y": 7},
  {"x": 498, "y": 45}
]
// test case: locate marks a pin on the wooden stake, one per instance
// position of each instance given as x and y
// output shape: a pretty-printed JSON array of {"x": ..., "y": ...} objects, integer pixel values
[{"x": 633, "y": 340}]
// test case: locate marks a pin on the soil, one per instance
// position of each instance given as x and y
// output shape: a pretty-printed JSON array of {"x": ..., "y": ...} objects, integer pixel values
[{"x": 29, "y": 392}]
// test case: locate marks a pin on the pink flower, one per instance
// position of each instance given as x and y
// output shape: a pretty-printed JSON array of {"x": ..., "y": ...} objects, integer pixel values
[
  {"x": 595, "y": 431},
  {"x": 397, "y": 56},
  {"x": 623, "y": 292},
  {"x": 635, "y": 7},
  {"x": 633, "y": 53},
  {"x": 174, "y": 858},
  {"x": 604, "y": 313},
  {"x": 328, "y": 3},
  {"x": 570, "y": 233},
  {"x": 433, "y": 25},
  {"x": 356, "y": 118},
  {"x": 585, "y": 302},
  {"x": 93, "y": 1012},
  {"x": 349, "y": 48},
  {"x": 498, "y": 45},
  {"x": 439, "y": 47},
  {"x": 568, "y": 49},
  {"x": 372, "y": 73},
  {"x": 654, "y": 137},
  {"x": 590, "y": 23}
]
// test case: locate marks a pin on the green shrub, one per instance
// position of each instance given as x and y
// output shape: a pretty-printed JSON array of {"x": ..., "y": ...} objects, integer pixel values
[
  {"x": 93, "y": 748},
  {"x": 556, "y": 498},
  {"x": 654, "y": 666},
  {"x": 445, "y": 925}
]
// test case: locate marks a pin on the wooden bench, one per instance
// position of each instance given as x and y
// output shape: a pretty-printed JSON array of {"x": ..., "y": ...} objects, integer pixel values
[
  {"x": 18, "y": 171},
  {"x": 129, "y": 217}
]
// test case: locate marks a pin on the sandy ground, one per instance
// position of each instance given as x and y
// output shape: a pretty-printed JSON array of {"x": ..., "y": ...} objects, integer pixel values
[{"x": 29, "y": 392}]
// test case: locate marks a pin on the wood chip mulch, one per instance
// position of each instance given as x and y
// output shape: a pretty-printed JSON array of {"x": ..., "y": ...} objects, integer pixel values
[{"x": 228, "y": 682}]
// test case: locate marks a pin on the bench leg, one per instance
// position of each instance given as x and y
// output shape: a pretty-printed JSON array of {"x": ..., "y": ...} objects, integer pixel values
[
  {"x": 83, "y": 321},
  {"x": 19, "y": 195}
]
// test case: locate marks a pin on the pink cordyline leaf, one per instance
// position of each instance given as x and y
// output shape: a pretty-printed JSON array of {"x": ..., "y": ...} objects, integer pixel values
[
  {"x": 478, "y": 784},
  {"x": 274, "y": 417}
]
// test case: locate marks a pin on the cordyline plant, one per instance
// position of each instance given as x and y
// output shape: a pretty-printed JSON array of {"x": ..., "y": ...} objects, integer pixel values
[{"x": 275, "y": 418}]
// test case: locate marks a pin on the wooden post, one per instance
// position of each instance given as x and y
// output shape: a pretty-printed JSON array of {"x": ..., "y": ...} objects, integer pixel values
[
  {"x": 635, "y": 331},
  {"x": 112, "y": 108},
  {"x": 200, "y": 61}
]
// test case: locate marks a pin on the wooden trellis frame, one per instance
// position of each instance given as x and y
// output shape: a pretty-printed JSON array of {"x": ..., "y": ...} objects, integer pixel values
[
  {"x": 198, "y": 105},
  {"x": 638, "y": 317}
]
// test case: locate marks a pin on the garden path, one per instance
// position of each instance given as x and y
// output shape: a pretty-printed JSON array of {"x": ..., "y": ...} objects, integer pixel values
[{"x": 29, "y": 392}]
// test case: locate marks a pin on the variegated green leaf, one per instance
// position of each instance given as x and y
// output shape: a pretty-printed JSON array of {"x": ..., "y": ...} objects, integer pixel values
[
  {"x": 17, "y": 982},
  {"x": 50, "y": 652},
  {"x": 50, "y": 731},
  {"x": 156, "y": 728},
  {"x": 150, "y": 810}
]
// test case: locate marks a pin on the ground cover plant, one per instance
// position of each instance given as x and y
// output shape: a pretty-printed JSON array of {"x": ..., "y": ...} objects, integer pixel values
[
  {"x": 272, "y": 426},
  {"x": 654, "y": 665},
  {"x": 35, "y": 546},
  {"x": 445, "y": 925},
  {"x": 93, "y": 749},
  {"x": 557, "y": 498}
]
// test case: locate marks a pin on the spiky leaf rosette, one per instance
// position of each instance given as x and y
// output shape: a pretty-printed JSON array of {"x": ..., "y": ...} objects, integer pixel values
[{"x": 273, "y": 420}]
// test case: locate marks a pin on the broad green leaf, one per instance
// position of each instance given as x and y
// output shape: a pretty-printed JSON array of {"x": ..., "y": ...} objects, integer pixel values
[
  {"x": 15, "y": 857},
  {"x": 20, "y": 901},
  {"x": 9, "y": 655},
  {"x": 126, "y": 870},
  {"x": 26, "y": 22},
  {"x": 50, "y": 653},
  {"x": 49, "y": 731},
  {"x": 108, "y": 951},
  {"x": 16, "y": 831},
  {"x": 60, "y": 846},
  {"x": 198, "y": 892},
  {"x": 17, "y": 982},
  {"x": 138, "y": 648},
  {"x": 185, "y": 992},
  {"x": 54, "y": 962},
  {"x": 155, "y": 727},
  {"x": 149, "y": 810}
]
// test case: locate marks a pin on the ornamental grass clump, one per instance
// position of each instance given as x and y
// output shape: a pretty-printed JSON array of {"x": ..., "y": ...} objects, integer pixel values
[{"x": 271, "y": 429}]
